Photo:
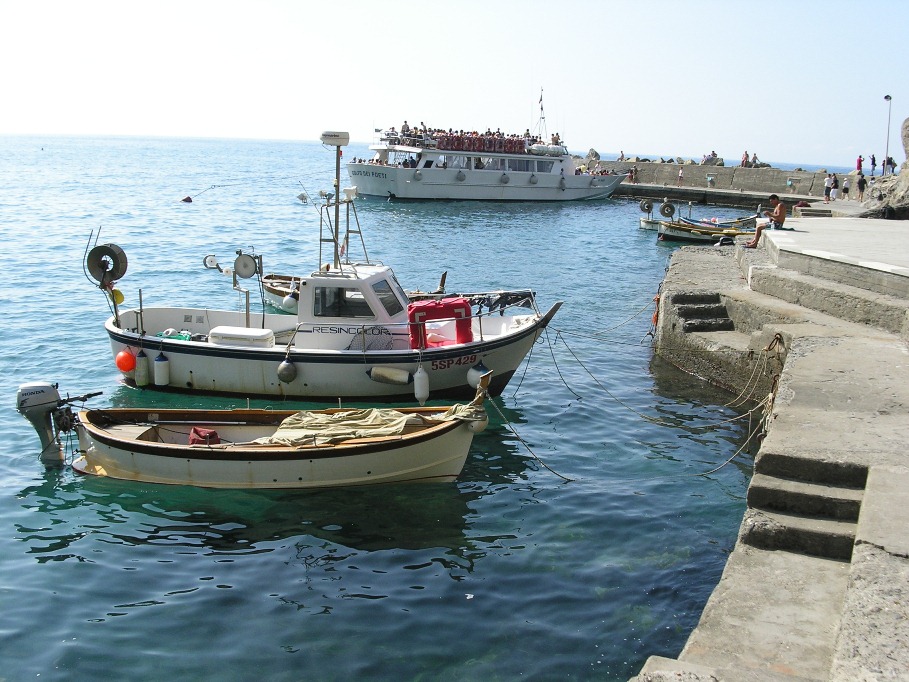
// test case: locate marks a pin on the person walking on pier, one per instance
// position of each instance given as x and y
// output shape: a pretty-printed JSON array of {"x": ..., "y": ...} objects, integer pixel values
[
  {"x": 846, "y": 189},
  {"x": 776, "y": 219},
  {"x": 873, "y": 165},
  {"x": 828, "y": 185},
  {"x": 745, "y": 159},
  {"x": 679, "y": 182},
  {"x": 858, "y": 164},
  {"x": 834, "y": 188},
  {"x": 861, "y": 184}
]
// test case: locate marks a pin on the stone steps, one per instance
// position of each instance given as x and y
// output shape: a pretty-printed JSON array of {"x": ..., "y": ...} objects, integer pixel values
[
  {"x": 804, "y": 505},
  {"x": 701, "y": 312},
  {"x": 811, "y": 212},
  {"x": 811, "y": 535},
  {"x": 799, "y": 497},
  {"x": 840, "y": 300}
]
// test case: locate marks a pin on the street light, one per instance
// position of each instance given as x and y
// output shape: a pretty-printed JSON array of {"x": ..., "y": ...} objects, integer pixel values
[{"x": 887, "y": 148}]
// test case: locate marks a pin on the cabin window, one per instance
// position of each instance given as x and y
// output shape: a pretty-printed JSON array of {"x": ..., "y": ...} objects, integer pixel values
[
  {"x": 340, "y": 302},
  {"x": 386, "y": 295},
  {"x": 428, "y": 163},
  {"x": 494, "y": 164},
  {"x": 522, "y": 165},
  {"x": 544, "y": 166}
]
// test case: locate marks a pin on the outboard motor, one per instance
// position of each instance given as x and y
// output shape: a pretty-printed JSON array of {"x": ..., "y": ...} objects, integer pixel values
[{"x": 40, "y": 403}]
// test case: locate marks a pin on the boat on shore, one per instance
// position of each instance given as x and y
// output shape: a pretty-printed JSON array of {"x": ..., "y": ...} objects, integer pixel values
[
  {"x": 488, "y": 167},
  {"x": 356, "y": 335},
  {"x": 259, "y": 448}
]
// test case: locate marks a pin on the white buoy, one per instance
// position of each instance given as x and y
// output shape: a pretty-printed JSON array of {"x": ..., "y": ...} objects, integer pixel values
[
  {"x": 421, "y": 385},
  {"x": 390, "y": 375},
  {"x": 141, "y": 372},
  {"x": 289, "y": 303},
  {"x": 162, "y": 370}
]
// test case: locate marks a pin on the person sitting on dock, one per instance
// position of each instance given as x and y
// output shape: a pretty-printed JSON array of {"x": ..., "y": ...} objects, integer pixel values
[{"x": 777, "y": 218}]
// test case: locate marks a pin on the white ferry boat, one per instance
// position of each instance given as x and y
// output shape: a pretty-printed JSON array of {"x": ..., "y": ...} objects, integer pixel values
[{"x": 487, "y": 167}]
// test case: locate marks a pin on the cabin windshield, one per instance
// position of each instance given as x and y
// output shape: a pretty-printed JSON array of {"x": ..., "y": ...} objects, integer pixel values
[
  {"x": 340, "y": 302},
  {"x": 387, "y": 297},
  {"x": 544, "y": 166}
]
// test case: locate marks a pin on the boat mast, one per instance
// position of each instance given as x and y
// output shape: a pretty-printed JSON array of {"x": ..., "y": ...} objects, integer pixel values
[
  {"x": 540, "y": 129},
  {"x": 336, "y": 140}
]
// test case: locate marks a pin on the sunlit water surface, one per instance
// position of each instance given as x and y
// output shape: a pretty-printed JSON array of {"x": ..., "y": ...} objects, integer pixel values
[{"x": 510, "y": 572}]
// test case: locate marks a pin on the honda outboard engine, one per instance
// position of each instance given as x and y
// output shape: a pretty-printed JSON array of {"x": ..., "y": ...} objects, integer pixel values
[{"x": 40, "y": 403}]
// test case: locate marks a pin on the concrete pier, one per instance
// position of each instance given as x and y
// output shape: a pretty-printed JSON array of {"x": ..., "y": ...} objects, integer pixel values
[
  {"x": 815, "y": 322},
  {"x": 721, "y": 185}
]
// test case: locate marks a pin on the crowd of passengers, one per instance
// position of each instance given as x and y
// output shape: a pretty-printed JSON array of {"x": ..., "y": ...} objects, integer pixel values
[{"x": 465, "y": 139}]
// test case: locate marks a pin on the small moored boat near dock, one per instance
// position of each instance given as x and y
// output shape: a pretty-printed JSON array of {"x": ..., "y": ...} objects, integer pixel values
[{"x": 259, "y": 448}]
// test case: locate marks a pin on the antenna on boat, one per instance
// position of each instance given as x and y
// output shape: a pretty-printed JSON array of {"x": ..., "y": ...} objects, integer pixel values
[
  {"x": 336, "y": 140},
  {"x": 540, "y": 129}
]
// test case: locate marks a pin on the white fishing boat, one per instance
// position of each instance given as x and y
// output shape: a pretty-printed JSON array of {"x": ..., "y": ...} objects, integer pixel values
[
  {"x": 356, "y": 334},
  {"x": 432, "y": 164},
  {"x": 259, "y": 448}
]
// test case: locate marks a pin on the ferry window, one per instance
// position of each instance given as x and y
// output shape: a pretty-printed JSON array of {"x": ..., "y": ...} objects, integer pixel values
[
  {"x": 544, "y": 166},
  {"x": 520, "y": 165},
  {"x": 493, "y": 164},
  {"x": 386, "y": 295},
  {"x": 340, "y": 302},
  {"x": 428, "y": 163}
]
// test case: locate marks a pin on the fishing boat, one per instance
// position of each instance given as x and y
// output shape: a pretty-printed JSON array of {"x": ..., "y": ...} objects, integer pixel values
[
  {"x": 259, "y": 448},
  {"x": 679, "y": 232},
  {"x": 435, "y": 164},
  {"x": 356, "y": 334}
]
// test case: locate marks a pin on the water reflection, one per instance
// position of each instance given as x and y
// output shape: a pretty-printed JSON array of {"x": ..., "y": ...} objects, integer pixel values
[{"x": 66, "y": 508}]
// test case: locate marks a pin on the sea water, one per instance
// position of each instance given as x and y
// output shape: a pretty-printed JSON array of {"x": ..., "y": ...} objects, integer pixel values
[{"x": 591, "y": 522}]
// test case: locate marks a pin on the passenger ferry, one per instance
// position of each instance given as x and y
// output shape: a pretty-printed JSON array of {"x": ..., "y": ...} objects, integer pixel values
[{"x": 487, "y": 167}]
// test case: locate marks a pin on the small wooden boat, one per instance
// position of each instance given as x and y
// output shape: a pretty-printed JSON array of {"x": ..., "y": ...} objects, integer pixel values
[
  {"x": 261, "y": 448},
  {"x": 679, "y": 232},
  {"x": 746, "y": 223}
]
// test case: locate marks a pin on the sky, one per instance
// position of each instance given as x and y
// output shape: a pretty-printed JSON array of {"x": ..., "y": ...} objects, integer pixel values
[{"x": 799, "y": 81}]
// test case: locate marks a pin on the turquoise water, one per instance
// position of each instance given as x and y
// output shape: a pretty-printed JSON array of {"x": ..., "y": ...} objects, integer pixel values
[{"x": 510, "y": 572}]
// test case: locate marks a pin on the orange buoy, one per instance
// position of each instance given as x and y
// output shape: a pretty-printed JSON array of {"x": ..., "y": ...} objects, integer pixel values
[{"x": 126, "y": 361}]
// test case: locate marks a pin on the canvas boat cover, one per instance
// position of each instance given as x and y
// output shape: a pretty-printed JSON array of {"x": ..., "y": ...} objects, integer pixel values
[{"x": 316, "y": 428}]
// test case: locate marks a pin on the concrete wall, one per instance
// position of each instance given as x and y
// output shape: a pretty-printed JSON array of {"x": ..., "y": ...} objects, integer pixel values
[{"x": 760, "y": 180}]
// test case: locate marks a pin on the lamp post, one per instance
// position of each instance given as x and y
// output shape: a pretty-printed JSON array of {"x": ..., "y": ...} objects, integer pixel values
[{"x": 887, "y": 147}]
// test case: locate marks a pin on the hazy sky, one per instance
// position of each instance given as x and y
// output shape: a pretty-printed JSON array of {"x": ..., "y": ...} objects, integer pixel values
[{"x": 792, "y": 80}]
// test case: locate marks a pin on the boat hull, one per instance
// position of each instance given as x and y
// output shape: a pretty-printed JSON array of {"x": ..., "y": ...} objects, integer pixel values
[
  {"x": 436, "y": 454},
  {"x": 395, "y": 182},
  {"x": 674, "y": 232},
  {"x": 199, "y": 366}
]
